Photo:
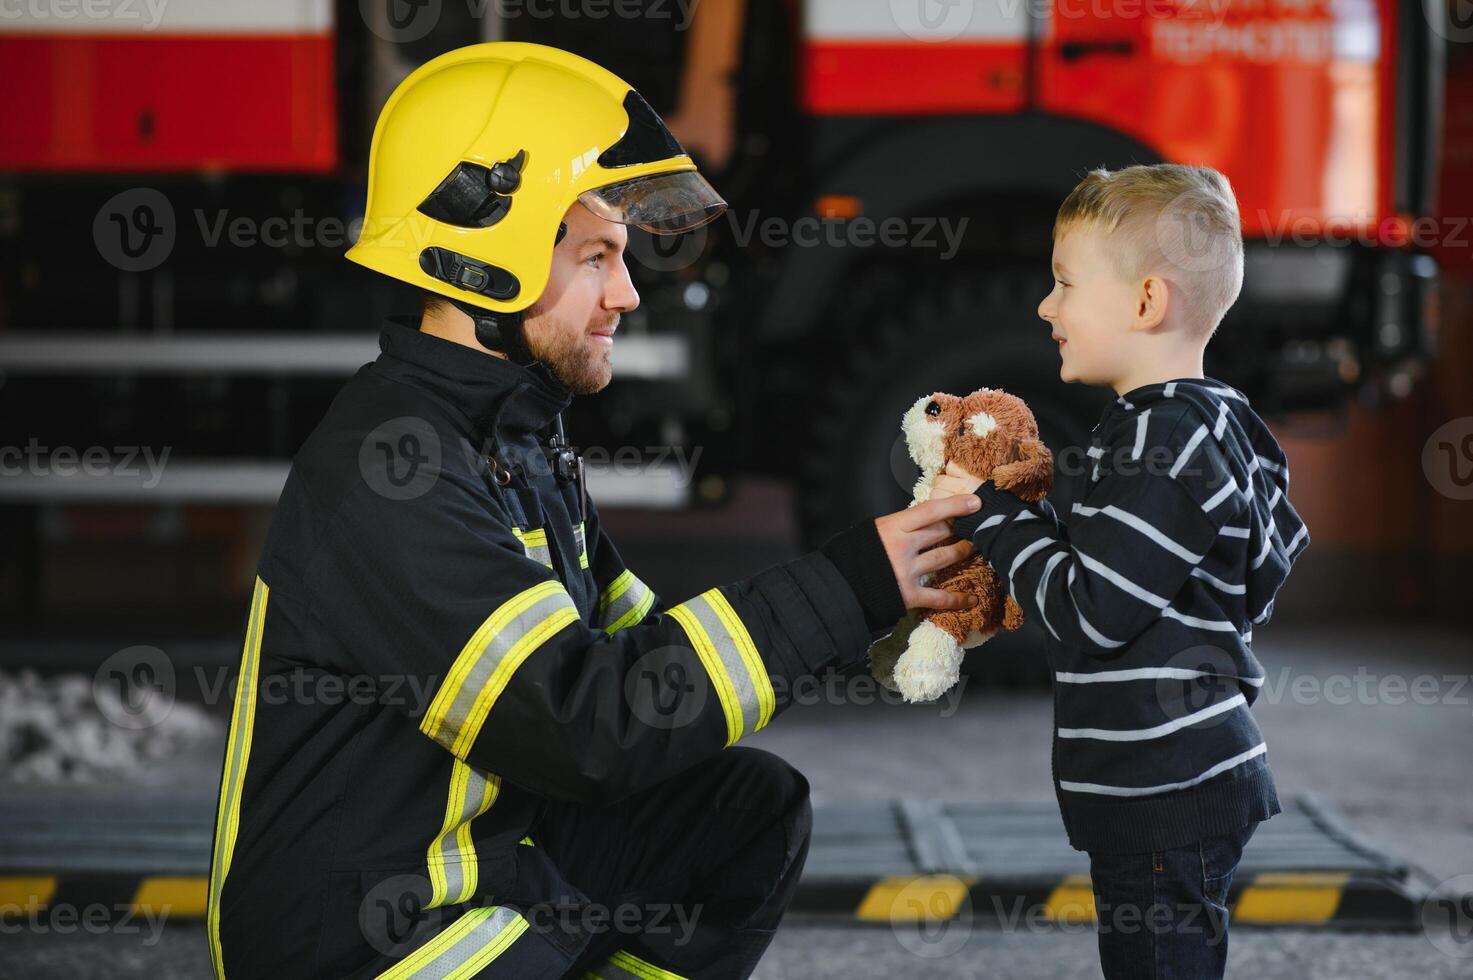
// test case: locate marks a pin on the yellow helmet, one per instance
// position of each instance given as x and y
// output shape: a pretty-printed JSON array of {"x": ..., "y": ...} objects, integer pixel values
[{"x": 480, "y": 152}]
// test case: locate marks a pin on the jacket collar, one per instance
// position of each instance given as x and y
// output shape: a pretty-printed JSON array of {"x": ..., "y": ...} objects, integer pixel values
[{"x": 497, "y": 395}]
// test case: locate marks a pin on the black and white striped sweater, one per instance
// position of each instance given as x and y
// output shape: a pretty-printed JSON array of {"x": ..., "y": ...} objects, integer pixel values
[{"x": 1180, "y": 537}]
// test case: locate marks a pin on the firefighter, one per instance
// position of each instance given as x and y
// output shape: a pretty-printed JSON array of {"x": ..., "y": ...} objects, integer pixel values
[{"x": 466, "y": 739}]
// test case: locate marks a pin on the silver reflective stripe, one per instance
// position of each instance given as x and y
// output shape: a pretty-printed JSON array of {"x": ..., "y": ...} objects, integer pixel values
[
  {"x": 624, "y": 603},
  {"x": 452, "y": 858},
  {"x": 484, "y": 667},
  {"x": 731, "y": 659},
  {"x": 534, "y": 543},
  {"x": 464, "y": 948}
]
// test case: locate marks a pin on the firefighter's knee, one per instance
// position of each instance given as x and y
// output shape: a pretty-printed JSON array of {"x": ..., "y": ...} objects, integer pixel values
[{"x": 757, "y": 779}]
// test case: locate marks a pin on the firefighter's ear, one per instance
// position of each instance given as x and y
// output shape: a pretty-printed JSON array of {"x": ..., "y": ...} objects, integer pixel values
[{"x": 1031, "y": 475}]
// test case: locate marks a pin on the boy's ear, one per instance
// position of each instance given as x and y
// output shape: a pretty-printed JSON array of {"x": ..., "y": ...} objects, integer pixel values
[{"x": 1152, "y": 298}]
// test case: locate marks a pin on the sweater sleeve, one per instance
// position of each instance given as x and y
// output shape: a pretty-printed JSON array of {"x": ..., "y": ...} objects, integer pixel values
[{"x": 1126, "y": 553}]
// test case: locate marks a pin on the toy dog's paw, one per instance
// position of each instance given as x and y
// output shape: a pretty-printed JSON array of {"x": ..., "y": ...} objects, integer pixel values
[{"x": 930, "y": 665}]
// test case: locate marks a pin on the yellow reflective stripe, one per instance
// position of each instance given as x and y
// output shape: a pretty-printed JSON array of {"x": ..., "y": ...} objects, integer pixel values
[
  {"x": 711, "y": 660},
  {"x": 465, "y": 948},
  {"x": 634, "y": 615},
  {"x": 449, "y": 719},
  {"x": 726, "y": 649},
  {"x": 756, "y": 669},
  {"x": 624, "y": 964},
  {"x": 452, "y": 854},
  {"x": 232, "y": 777},
  {"x": 582, "y": 546},
  {"x": 534, "y": 544},
  {"x": 519, "y": 652},
  {"x": 626, "y": 599},
  {"x": 615, "y": 589}
]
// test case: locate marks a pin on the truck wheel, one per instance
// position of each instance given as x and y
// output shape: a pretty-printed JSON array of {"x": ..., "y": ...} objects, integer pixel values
[{"x": 981, "y": 334}]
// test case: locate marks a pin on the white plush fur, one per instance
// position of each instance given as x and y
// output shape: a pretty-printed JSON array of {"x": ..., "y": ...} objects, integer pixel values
[
  {"x": 930, "y": 665},
  {"x": 926, "y": 440},
  {"x": 982, "y": 423}
]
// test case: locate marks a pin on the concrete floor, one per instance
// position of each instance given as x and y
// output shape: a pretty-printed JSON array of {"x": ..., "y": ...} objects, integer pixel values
[{"x": 1400, "y": 772}]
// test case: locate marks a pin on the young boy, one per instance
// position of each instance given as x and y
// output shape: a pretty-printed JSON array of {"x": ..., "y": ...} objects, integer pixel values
[{"x": 1181, "y": 535}]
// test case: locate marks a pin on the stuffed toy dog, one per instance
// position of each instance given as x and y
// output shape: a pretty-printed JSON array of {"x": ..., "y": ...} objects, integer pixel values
[{"x": 992, "y": 435}]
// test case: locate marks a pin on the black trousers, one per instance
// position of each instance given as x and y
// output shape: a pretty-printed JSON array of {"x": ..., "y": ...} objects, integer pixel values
[{"x": 690, "y": 876}]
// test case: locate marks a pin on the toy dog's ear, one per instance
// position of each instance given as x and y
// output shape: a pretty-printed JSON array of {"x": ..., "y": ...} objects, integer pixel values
[{"x": 1032, "y": 475}]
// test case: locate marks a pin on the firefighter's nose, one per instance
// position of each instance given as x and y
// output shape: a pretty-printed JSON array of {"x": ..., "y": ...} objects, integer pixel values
[{"x": 620, "y": 296}]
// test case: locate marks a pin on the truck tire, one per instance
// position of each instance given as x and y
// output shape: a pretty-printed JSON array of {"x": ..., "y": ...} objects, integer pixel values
[{"x": 981, "y": 332}]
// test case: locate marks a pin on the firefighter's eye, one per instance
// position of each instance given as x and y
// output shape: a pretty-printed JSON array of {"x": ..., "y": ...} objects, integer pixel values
[{"x": 933, "y": 409}]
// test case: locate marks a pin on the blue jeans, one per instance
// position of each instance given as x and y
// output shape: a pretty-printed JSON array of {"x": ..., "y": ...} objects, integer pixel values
[{"x": 1163, "y": 915}]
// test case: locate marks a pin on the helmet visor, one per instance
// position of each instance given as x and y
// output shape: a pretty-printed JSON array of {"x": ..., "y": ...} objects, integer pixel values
[{"x": 663, "y": 204}]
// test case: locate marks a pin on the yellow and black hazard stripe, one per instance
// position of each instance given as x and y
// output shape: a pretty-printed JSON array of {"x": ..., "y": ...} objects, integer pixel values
[
  {"x": 623, "y": 602},
  {"x": 1327, "y": 899},
  {"x": 624, "y": 965},
  {"x": 486, "y": 663},
  {"x": 726, "y": 650},
  {"x": 232, "y": 779},
  {"x": 1333, "y": 899}
]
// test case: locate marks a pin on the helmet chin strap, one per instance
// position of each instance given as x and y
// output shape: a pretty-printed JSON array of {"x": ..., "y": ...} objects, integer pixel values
[{"x": 501, "y": 332}]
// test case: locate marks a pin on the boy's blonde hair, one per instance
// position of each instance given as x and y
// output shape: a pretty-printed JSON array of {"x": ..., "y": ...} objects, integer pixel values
[{"x": 1176, "y": 221}]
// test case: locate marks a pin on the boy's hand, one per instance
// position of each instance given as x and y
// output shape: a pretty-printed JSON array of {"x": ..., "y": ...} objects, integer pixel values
[
  {"x": 907, "y": 536},
  {"x": 954, "y": 482}
]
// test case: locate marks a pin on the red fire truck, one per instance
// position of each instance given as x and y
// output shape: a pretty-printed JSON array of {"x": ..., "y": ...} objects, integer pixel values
[{"x": 180, "y": 178}]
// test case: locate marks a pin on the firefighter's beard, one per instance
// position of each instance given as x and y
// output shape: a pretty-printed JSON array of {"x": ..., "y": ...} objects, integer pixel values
[{"x": 574, "y": 356}]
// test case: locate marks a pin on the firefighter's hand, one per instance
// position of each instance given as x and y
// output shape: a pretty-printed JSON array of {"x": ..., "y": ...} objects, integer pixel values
[
  {"x": 954, "y": 482},
  {"x": 911, "y": 539}
]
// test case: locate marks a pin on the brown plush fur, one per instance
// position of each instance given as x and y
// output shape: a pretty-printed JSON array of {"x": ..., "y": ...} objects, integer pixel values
[
  {"x": 1015, "y": 459},
  {"x": 1006, "y": 450}
]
